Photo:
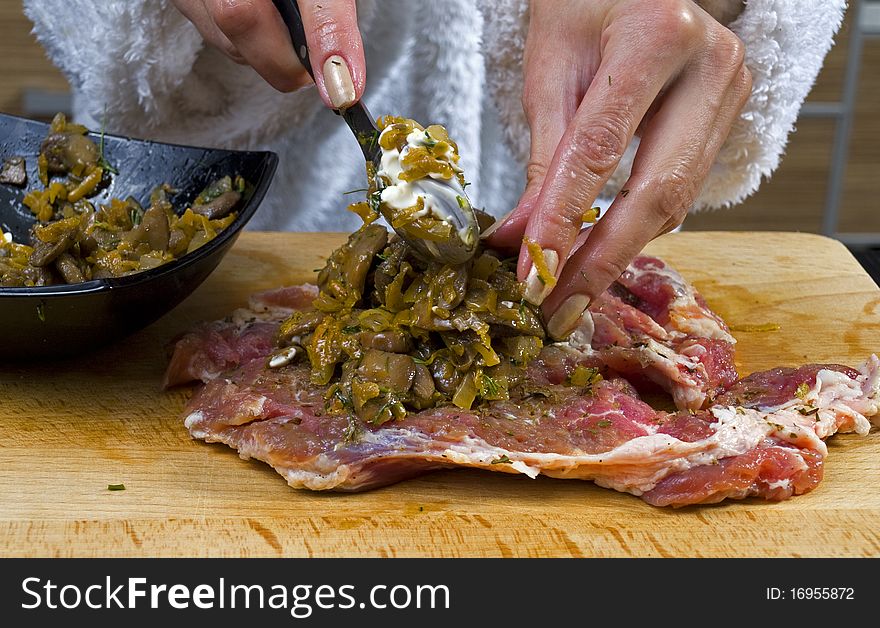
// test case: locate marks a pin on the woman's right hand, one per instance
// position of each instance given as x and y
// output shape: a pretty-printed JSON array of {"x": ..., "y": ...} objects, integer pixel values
[{"x": 251, "y": 32}]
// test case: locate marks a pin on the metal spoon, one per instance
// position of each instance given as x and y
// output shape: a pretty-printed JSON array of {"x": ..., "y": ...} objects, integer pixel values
[{"x": 461, "y": 246}]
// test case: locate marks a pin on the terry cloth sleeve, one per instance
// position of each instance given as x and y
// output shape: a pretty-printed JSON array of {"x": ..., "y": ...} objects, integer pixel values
[
  {"x": 147, "y": 67},
  {"x": 785, "y": 40},
  {"x": 127, "y": 56}
]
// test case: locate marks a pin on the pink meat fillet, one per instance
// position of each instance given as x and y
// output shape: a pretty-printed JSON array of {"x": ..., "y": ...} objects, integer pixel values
[
  {"x": 653, "y": 325},
  {"x": 761, "y": 436}
]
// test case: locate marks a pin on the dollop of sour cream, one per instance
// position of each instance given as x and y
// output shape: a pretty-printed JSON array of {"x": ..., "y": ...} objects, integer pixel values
[{"x": 399, "y": 194}]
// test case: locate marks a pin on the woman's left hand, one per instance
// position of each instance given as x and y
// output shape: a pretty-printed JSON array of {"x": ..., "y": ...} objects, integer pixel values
[{"x": 595, "y": 73}]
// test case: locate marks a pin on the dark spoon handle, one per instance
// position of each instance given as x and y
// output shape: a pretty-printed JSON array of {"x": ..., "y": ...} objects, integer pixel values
[
  {"x": 289, "y": 11},
  {"x": 357, "y": 117}
]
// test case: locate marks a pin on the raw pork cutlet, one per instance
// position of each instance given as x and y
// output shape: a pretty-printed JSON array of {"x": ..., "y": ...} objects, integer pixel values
[
  {"x": 771, "y": 447},
  {"x": 762, "y": 437},
  {"x": 247, "y": 334},
  {"x": 652, "y": 325}
]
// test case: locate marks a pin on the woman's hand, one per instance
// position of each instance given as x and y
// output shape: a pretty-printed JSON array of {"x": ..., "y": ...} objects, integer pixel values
[
  {"x": 596, "y": 73},
  {"x": 252, "y": 32}
]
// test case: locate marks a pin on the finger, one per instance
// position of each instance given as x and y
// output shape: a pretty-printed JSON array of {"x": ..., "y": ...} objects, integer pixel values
[
  {"x": 256, "y": 31},
  {"x": 677, "y": 150},
  {"x": 593, "y": 146},
  {"x": 335, "y": 49},
  {"x": 730, "y": 110},
  {"x": 197, "y": 13},
  {"x": 550, "y": 100}
]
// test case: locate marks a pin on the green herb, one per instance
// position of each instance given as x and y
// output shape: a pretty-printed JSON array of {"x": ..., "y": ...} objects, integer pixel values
[
  {"x": 357, "y": 190},
  {"x": 802, "y": 391},
  {"x": 374, "y": 200},
  {"x": 41, "y": 313},
  {"x": 345, "y": 401},
  {"x": 136, "y": 217},
  {"x": 462, "y": 202},
  {"x": 368, "y": 139},
  {"x": 351, "y": 329},
  {"x": 603, "y": 423},
  {"x": 116, "y": 487},
  {"x": 490, "y": 386},
  {"x": 381, "y": 416},
  {"x": 522, "y": 311},
  {"x": 502, "y": 460},
  {"x": 352, "y": 431},
  {"x": 102, "y": 160}
]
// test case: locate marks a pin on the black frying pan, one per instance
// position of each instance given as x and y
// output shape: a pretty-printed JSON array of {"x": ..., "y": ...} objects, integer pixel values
[{"x": 57, "y": 321}]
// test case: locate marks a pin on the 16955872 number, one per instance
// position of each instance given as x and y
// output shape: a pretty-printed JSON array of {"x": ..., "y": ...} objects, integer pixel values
[{"x": 822, "y": 593}]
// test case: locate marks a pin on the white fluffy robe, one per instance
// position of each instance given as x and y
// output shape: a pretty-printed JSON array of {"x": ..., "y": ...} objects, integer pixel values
[{"x": 146, "y": 66}]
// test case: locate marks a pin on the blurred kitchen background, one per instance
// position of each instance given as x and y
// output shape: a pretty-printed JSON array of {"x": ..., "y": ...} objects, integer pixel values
[{"x": 829, "y": 180}]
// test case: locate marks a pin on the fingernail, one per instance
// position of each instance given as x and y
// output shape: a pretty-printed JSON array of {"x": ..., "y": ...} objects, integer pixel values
[
  {"x": 337, "y": 80},
  {"x": 494, "y": 226},
  {"x": 537, "y": 290},
  {"x": 566, "y": 318}
]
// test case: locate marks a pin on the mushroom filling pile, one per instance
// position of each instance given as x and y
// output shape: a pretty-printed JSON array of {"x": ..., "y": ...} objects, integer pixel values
[{"x": 390, "y": 332}]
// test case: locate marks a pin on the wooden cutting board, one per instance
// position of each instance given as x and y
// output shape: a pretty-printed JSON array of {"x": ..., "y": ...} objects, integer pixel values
[{"x": 70, "y": 429}]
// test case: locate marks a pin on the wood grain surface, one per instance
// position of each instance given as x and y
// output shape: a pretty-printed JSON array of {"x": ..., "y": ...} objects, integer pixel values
[{"x": 71, "y": 428}]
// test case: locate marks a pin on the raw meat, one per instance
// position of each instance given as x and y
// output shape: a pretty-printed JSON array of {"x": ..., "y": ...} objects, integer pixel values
[
  {"x": 652, "y": 324},
  {"x": 762, "y": 436}
]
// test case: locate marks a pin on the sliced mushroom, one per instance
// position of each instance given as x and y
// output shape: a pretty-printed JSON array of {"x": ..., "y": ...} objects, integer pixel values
[
  {"x": 394, "y": 254},
  {"x": 390, "y": 341},
  {"x": 14, "y": 172},
  {"x": 346, "y": 270},
  {"x": 47, "y": 252},
  {"x": 446, "y": 377},
  {"x": 219, "y": 207},
  {"x": 68, "y": 268},
  {"x": 423, "y": 387},
  {"x": 361, "y": 255},
  {"x": 391, "y": 370},
  {"x": 65, "y": 152},
  {"x": 153, "y": 229}
]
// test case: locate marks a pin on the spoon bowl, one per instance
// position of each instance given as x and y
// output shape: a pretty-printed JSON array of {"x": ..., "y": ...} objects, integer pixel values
[{"x": 457, "y": 249}]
